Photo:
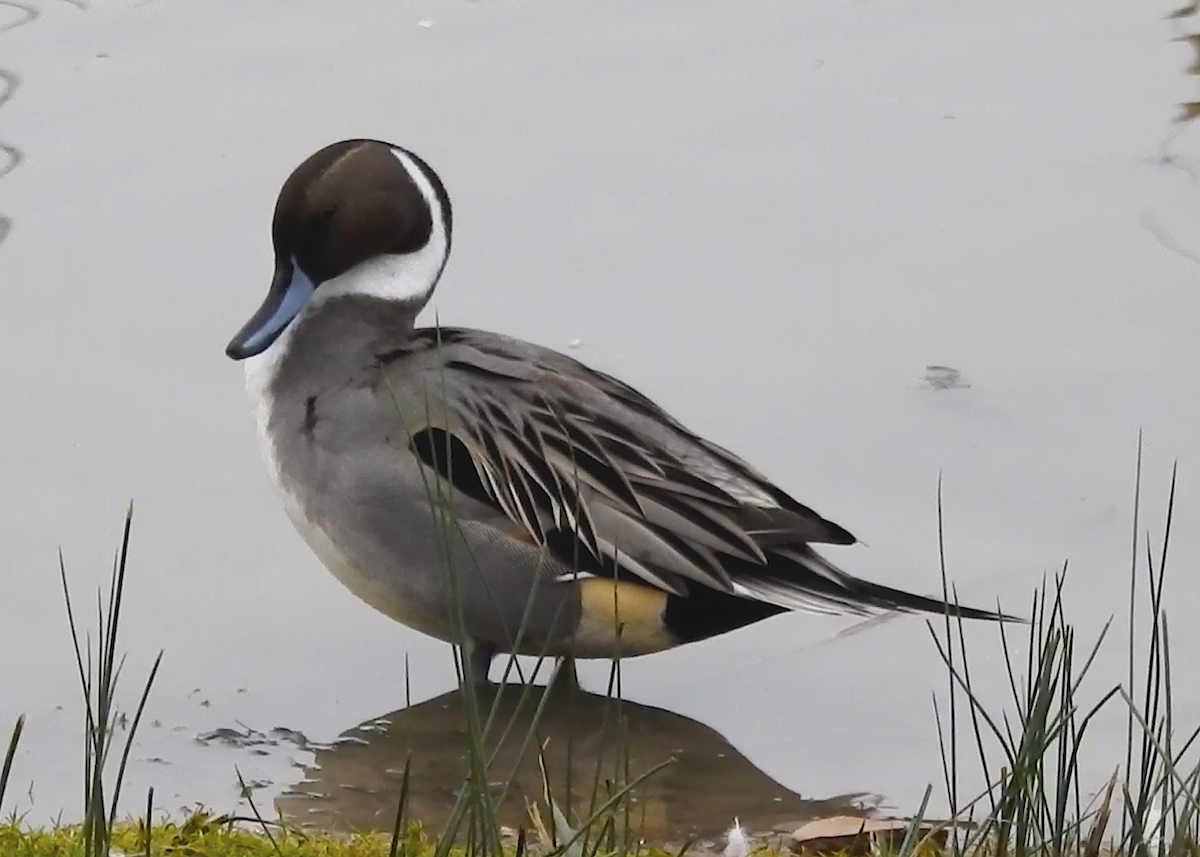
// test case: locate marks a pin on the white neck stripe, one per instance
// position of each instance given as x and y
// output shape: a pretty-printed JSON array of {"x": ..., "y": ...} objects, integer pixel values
[{"x": 409, "y": 277}]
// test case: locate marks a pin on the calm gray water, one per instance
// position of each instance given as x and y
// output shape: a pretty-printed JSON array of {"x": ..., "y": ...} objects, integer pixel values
[{"x": 771, "y": 218}]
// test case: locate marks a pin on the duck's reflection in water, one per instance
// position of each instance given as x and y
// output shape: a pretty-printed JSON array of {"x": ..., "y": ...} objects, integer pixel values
[{"x": 355, "y": 783}]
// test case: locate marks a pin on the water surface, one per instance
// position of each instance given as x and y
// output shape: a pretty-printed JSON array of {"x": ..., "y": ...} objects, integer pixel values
[{"x": 772, "y": 218}]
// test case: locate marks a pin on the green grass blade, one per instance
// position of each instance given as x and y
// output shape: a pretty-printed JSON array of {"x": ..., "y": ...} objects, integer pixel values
[{"x": 10, "y": 755}]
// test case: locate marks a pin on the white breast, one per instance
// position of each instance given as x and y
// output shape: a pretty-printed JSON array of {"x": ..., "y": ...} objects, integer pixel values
[
  {"x": 260, "y": 373},
  {"x": 372, "y": 588}
]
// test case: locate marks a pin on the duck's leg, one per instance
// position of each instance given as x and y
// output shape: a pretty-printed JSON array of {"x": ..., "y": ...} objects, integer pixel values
[{"x": 477, "y": 661}]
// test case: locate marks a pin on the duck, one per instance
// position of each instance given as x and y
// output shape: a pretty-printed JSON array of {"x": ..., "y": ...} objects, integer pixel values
[{"x": 491, "y": 492}]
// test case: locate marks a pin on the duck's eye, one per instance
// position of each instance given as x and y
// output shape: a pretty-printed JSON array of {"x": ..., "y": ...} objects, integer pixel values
[{"x": 324, "y": 220}]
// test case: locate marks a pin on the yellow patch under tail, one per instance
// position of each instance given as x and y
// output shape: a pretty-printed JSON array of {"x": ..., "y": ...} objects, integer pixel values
[{"x": 607, "y": 605}]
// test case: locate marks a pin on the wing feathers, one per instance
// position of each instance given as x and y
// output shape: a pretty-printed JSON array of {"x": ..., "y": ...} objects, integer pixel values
[{"x": 581, "y": 462}]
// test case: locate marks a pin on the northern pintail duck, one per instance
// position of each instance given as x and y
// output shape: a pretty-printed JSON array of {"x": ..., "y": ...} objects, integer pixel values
[{"x": 461, "y": 480}]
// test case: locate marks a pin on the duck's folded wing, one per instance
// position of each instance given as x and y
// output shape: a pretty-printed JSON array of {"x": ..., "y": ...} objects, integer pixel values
[{"x": 592, "y": 469}]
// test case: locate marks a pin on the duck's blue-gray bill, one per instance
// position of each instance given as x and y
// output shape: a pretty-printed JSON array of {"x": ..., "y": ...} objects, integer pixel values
[{"x": 290, "y": 290}]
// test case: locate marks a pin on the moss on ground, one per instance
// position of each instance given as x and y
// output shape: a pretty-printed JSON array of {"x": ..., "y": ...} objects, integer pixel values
[{"x": 204, "y": 835}]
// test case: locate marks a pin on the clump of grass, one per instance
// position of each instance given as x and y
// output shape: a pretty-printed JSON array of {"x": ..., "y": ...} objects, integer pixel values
[
  {"x": 100, "y": 667},
  {"x": 1034, "y": 803},
  {"x": 99, "y": 670}
]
